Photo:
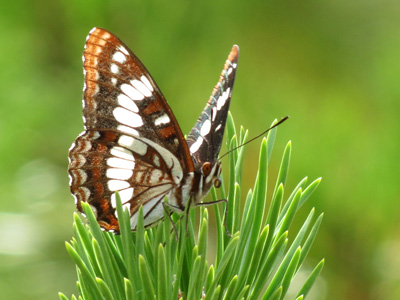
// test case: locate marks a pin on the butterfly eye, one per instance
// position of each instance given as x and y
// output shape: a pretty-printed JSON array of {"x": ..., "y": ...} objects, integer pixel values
[
  {"x": 206, "y": 168},
  {"x": 217, "y": 183}
]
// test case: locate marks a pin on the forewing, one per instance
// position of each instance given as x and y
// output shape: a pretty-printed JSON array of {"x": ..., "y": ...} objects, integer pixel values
[
  {"x": 132, "y": 142},
  {"x": 205, "y": 138}
]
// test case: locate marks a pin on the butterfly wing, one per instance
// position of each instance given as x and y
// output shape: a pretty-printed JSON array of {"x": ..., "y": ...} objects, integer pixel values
[
  {"x": 132, "y": 142},
  {"x": 205, "y": 138}
]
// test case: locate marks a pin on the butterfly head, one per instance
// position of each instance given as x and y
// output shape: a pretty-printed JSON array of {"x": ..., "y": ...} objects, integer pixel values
[{"x": 207, "y": 175}]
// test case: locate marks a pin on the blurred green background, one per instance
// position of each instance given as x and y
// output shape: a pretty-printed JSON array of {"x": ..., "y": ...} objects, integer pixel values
[{"x": 333, "y": 66}]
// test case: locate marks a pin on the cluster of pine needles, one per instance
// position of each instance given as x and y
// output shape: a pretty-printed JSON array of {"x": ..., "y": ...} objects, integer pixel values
[{"x": 259, "y": 260}]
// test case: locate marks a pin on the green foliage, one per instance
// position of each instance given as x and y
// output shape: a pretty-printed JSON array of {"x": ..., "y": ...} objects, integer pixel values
[{"x": 259, "y": 261}]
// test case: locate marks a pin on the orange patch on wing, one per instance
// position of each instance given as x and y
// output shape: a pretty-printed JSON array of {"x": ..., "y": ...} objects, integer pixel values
[
  {"x": 167, "y": 132},
  {"x": 90, "y": 91},
  {"x": 92, "y": 47},
  {"x": 96, "y": 174},
  {"x": 110, "y": 136},
  {"x": 113, "y": 225},
  {"x": 153, "y": 107},
  {"x": 91, "y": 74},
  {"x": 114, "y": 222},
  {"x": 97, "y": 160},
  {"x": 99, "y": 191}
]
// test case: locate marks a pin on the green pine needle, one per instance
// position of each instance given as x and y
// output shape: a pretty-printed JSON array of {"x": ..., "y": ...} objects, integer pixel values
[{"x": 257, "y": 262}]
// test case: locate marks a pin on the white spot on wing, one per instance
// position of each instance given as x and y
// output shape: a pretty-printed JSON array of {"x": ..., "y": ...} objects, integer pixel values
[
  {"x": 127, "y": 117},
  {"x": 96, "y": 75},
  {"x": 98, "y": 49},
  {"x": 214, "y": 113},
  {"x": 127, "y": 103},
  {"x": 123, "y": 50},
  {"x": 122, "y": 153},
  {"x": 114, "y": 81},
  {"x": 105, "y": 36},
  {"x": 128, "y": 130},
  {"x": 133, "y": 144},
  {"x": 222, "y": 99},
  {"x": 205, "y": 128},
  {"x": 114, "y": 69},
  {"x": 127, "y": 205},
  {"x": 141, "y": 87},
  {"x": 164, "y": 119},
  {"x": 96, "y": 90},
  {"x": 119, "y": 57},
  {"x": 196, "y": 145},
  {"x": 218, "y": 128},
  {"x": 156, "y": 161},
  {"x": 120, "y": 163},
  {"x": 131, "y": 92},
  {"x": 146, "y": 83},
  {"x": 115, "y": 185},
  {"x": 122, "y": 174},
  {"x": 95, "y": 135},
  {"x": 125, "y": 196}
]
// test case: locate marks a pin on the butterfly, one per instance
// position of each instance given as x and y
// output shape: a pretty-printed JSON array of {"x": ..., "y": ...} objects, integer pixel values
[{"x": 132, "y": 142}]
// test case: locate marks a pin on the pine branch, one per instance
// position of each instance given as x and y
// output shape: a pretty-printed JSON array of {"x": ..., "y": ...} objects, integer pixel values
[{"x": 257, "y": 262}]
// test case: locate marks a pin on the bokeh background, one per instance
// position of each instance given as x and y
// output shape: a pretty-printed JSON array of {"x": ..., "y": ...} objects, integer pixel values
[{"x": 333, "y": 66}]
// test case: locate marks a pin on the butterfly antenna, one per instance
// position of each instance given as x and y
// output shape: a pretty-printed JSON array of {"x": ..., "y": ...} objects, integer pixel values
[{"x": 256, "y": 137}]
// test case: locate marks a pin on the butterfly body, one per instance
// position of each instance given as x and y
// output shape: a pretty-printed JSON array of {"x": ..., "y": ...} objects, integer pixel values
[{"x": 132, "y": 142}]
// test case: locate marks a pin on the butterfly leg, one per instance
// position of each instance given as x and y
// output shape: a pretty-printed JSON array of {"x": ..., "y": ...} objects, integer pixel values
[
  {"x": 187, "y": 216},
  {"x": 225, "y": 214},
  {"x": 169, "y": 209},
  {"x": 174, "y": 208}
]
